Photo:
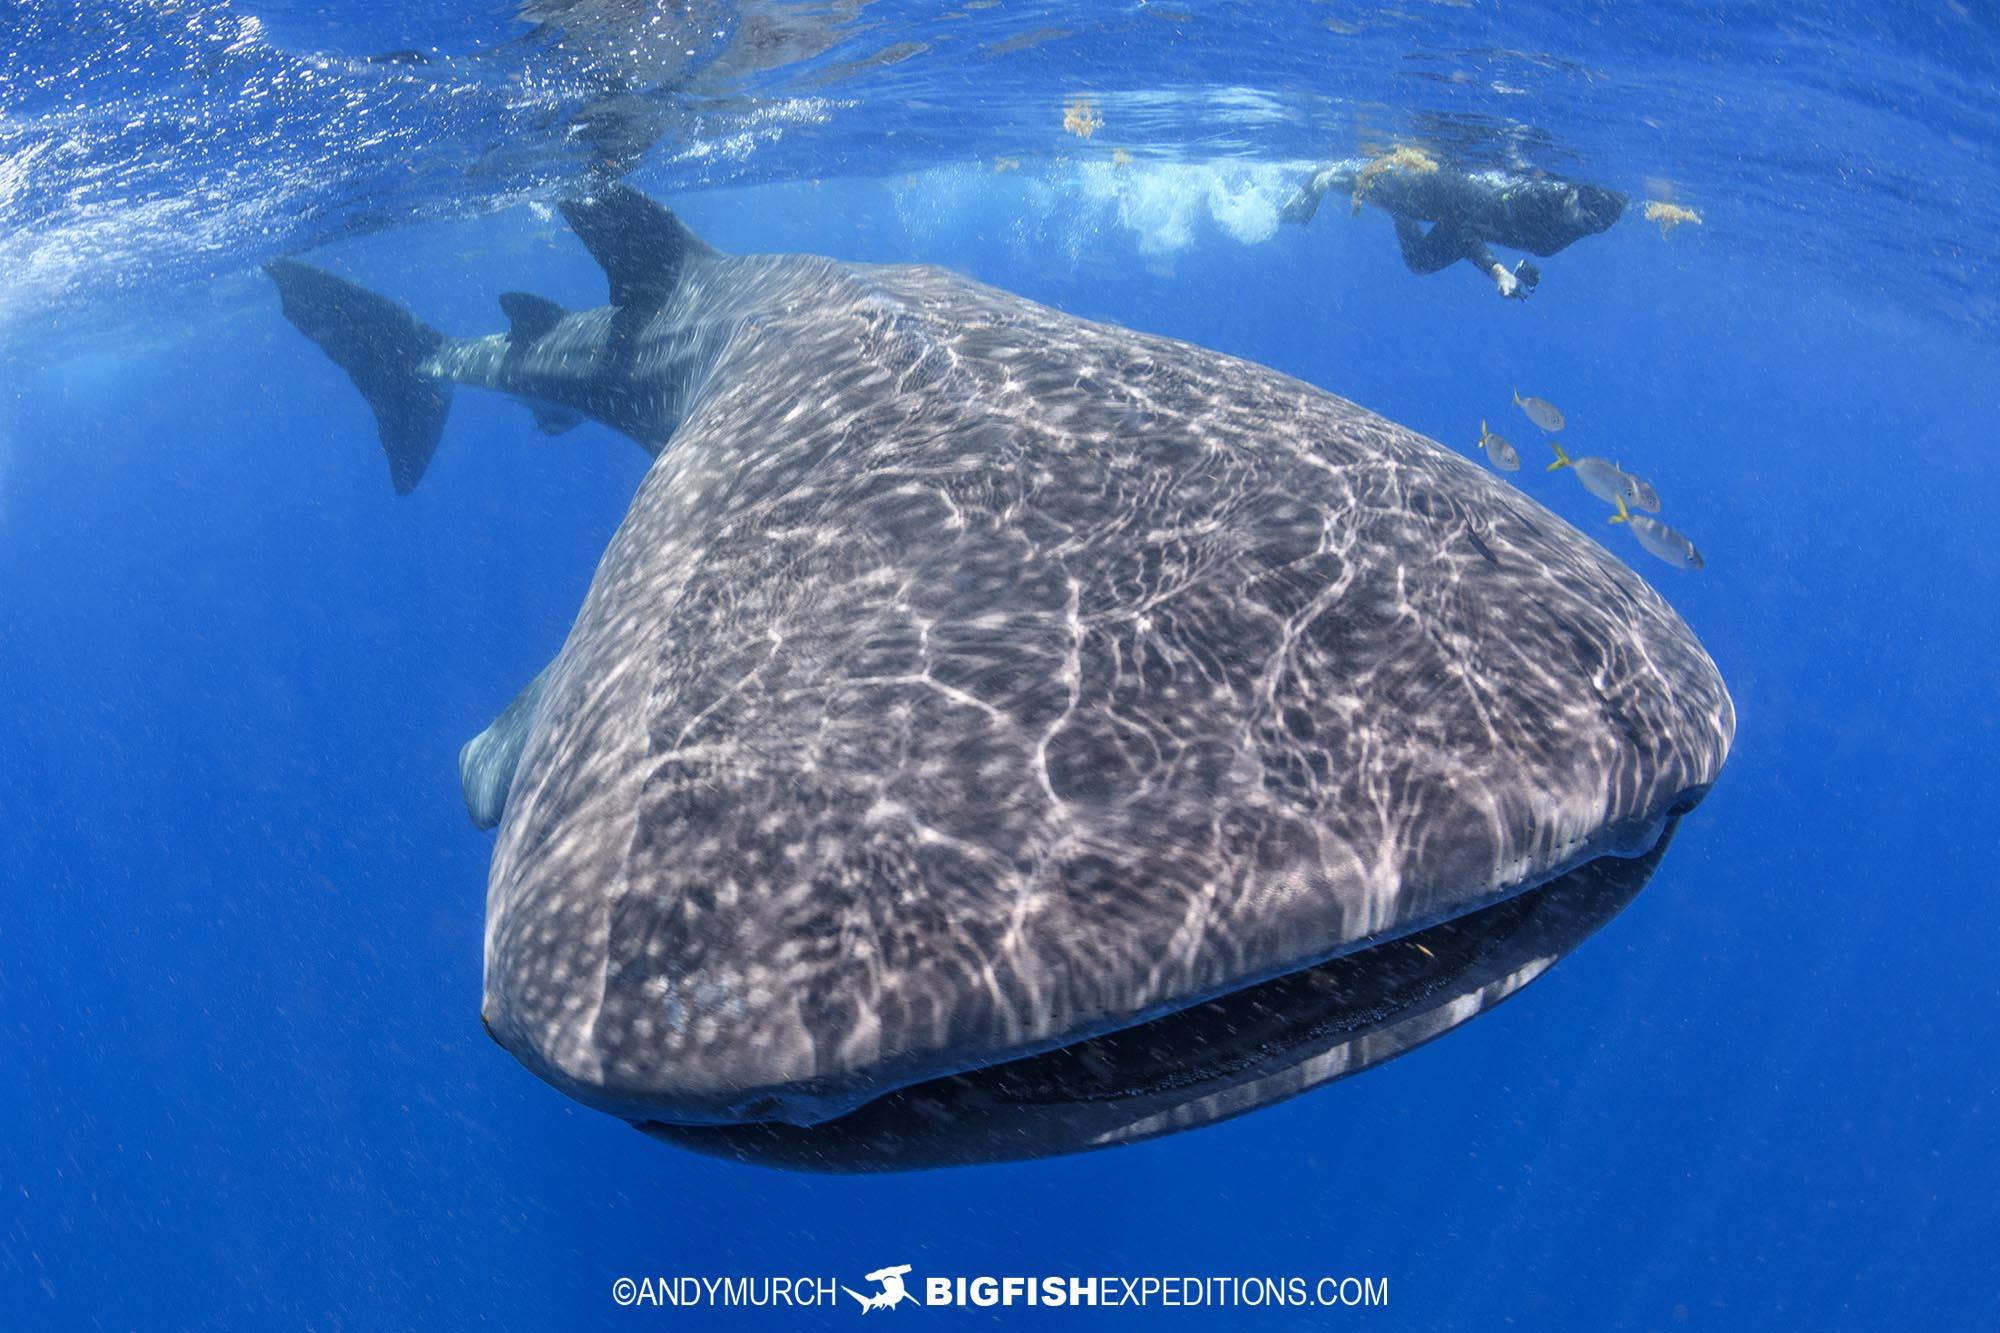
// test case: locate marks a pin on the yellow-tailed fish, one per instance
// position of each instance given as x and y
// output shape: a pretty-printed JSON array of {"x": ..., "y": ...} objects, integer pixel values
[
  {"x": 1500, "y": 453},
  {"x": 1667, "y": 543},
  {"x": 1600, "y": 476},
  {"x": 1540, "y": 411}
]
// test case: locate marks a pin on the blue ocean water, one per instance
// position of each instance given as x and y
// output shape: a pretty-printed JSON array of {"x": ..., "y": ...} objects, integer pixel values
[{"x": 240, "y": 926}]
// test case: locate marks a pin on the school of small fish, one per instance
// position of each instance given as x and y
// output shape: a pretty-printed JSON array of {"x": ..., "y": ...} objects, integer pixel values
[{"x": 1603, "y": 479}]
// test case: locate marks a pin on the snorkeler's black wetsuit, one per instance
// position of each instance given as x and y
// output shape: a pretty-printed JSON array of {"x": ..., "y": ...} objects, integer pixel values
[{"x": 1468, "y": 211}]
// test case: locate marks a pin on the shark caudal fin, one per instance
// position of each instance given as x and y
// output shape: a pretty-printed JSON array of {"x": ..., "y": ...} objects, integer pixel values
[{"x": 384, "y": 349}]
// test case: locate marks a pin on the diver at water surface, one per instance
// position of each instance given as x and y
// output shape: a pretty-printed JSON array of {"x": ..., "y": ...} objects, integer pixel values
[{"x": 1466, "y": 211}]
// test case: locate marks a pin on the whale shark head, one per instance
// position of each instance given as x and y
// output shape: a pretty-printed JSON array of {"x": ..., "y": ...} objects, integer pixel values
[{"x": 991, "y": 735}]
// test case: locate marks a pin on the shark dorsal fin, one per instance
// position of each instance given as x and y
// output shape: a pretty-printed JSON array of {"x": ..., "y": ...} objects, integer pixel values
[
  {"x": 642, "y": 247},
  {"x": 528, "y": 316}
]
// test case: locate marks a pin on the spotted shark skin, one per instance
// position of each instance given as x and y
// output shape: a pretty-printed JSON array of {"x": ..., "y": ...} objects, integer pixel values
[{"x": 968, "y": 680}]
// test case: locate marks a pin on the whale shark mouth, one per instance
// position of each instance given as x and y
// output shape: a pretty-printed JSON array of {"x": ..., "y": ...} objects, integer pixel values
[{"x": 1216, "y": 1059}]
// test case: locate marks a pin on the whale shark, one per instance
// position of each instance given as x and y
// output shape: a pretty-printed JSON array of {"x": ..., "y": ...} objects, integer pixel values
[{"x": 991, "y": 734}]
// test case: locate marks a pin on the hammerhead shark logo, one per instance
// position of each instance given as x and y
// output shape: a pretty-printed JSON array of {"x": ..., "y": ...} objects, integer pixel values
[{"x": 893, "y": 1291}]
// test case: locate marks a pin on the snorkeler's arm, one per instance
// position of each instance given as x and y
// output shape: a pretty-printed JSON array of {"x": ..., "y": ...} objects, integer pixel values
[
  {"x": 1509, "y": 283},
  {"x": 1440, "y": 249}
]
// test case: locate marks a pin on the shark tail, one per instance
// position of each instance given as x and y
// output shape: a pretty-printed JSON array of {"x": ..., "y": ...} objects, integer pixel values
[{"x": 384, "y": 349}]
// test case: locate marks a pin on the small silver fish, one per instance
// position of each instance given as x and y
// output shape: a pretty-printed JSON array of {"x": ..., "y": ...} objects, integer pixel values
[
  {"x": 1500, "y": 453},
  {"x": 1600, "y": 476},
  {"x": 1669, "y": 544},
  {"x": 1540, "y": 411},
  {"x": 1643, "y": 494}
]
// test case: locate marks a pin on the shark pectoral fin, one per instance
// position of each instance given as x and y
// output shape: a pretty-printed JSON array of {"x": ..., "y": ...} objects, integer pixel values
[
  {"x": 556, "y": 420},
  {"x": 641, "y": 246},
  {"x": 529, "y": 316},
  {"x": 384, "y": 349},
  {"x": 486, "y": 763}
]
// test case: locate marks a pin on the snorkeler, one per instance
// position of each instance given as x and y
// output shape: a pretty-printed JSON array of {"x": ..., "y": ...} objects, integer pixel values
[{"x": 1467, "y": 211}]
